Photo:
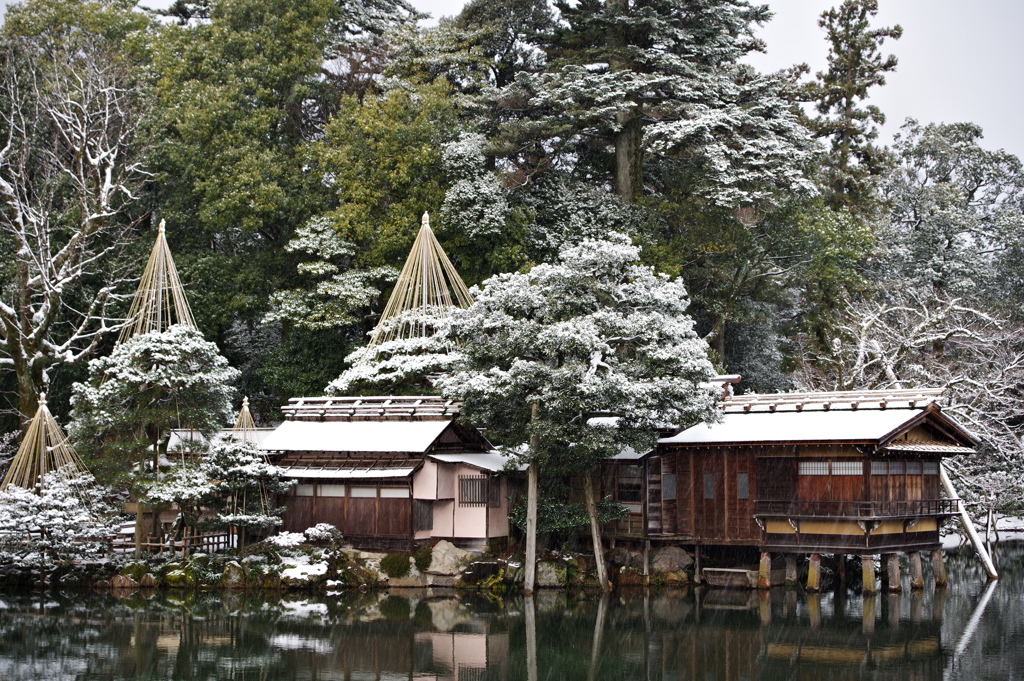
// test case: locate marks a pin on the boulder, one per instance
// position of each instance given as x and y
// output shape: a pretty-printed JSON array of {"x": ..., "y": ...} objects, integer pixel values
[
  {"x": 234, "y": 575},
  {"x": 670, "y": 559},
  {"x": 481, "y": 571},
  {"x": 123, "y": 582},
  {"x": 446, "y": 558},
  {"x": 179, "y": 579},
  {"x": 619, "y": 557},
  {"x": 551, "y": 574},
  {"x": 148, "y": 581}
]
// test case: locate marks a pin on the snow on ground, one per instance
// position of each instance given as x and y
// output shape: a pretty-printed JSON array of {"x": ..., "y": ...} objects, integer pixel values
[
  {"x": 300, "y": 568},
  {"x": 1010, "y": 528}
]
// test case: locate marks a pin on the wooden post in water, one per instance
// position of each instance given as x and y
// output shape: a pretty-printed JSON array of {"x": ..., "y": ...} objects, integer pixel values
[
  {"x": 814, "y": 573},
  {"x": 791, "y": 576},
  {"x": 939, "y": 568},
  {"x": 892, "y": 572},
  {"x": 867, "y": 570},
  {"x": 764, "y": 571},
  {"x": 916, "y": 571},
  {"x": 814, "y": 610}
]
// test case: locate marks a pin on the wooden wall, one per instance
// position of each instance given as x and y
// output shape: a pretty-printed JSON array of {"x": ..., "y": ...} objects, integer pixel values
[{"x": 374, "y": 516}]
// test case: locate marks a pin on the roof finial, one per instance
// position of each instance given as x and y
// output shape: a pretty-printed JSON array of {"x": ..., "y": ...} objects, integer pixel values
[
  {"x": 245, "y": 401},
  {"x": 42, "y": 399},
  {"x": 162, "y": 227},
  {"x": 425, "y": 222}
]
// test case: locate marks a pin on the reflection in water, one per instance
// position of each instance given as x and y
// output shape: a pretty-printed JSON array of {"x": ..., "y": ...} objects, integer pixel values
[{"x": 968, "y": 632}]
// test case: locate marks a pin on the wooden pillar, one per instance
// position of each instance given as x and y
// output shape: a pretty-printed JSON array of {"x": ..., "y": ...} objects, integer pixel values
[
  {"x": 938, "y": 604},
  {"x": 870, "y": 605},
  {"x": 841, "y": 566},
  {"x": 892, "y": 572},
  {"x": 764, "y": 571},
  {"x": 939, "y": 568},
  {"x": 814, "y": 573},
  {"x": 916, "y": 606},
  {"x": 647, "y": 562},
  {"x": 916, "y": 572},
  {"x": 791, "y": 576},
  {"x": 867, "y": 568},
  {"x": 696, "y": 563}
]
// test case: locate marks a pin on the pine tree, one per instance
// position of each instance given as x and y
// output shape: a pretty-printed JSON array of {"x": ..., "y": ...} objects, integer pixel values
[{"x": 855, "y": 66}]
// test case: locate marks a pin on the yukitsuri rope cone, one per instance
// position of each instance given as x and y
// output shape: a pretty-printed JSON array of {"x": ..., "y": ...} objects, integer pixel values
[
  {"x": 428, "y": 281},
  {"x": 45, "y": 448},
  {"x": 160, "y": 301},
  {"x": 244, "y": 430}
]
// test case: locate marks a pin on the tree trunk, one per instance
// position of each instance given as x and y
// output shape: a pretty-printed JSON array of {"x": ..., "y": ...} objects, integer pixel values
[
  {"x": 595, "y": 530},
  {"x": 628, "y": 156},
  {"x": 531, "y": 529}
]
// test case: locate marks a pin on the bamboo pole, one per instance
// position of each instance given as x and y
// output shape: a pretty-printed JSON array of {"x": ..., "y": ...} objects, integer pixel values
[{"x": 968, "y": 524}]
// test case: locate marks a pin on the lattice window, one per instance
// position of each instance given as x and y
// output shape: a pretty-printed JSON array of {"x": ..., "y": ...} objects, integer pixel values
[
  {"x": 472, "y": 490},
  {"x": 913, "y": 468},
  {"x": 742, "y": 486},
  {"x": 668, "y": 486},
  {"x": 814, "y": 468},
  {"x": 931, "y": 467},
  {"x": 847, "y": 468},
  {"x": 897, "y": 467},
  {"x": 879, "y": 468}
]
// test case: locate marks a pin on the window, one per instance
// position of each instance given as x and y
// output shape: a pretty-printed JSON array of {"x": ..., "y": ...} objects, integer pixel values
[
  {"x": 630, "y": 483},
  {"x": 709, "y": 485},
  {"x": 897, "y": 468},
  {"x": 362, "y": 492},
  {"x": 304, "y": 490},
  {"x": 913, "y": 468},
  {"x": 742, "y": 486},
  {"x": 472, "y": 490},
  {"x": 668, "y": 486},
  {"x": 931, "y": 467},
  {"x": 814, "y": 468},
  {"x": 879, "y": 468},
  {"x": 332, "y": 490},
  {"x": 394, "y": 492},
  {"x": 847, "y": 468}
]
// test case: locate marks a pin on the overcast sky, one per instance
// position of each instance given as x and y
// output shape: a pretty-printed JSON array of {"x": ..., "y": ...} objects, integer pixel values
[{"x": 958, "y": 61}]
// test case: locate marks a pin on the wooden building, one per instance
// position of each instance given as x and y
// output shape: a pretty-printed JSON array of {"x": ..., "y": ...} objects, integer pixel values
[
  {"x": 835, "y": 473},
  {"x": 389, "y": 472}
]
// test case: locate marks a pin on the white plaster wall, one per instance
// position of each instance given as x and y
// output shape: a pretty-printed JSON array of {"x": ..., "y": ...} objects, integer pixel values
[
  {"x": 424, "y": 481},
  {"x": 443, "y": 514},
  {"x": 470, "y": 521}
]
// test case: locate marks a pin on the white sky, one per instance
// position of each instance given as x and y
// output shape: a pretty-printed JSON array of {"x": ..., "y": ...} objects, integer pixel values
[{"x": 958, "y": 61}]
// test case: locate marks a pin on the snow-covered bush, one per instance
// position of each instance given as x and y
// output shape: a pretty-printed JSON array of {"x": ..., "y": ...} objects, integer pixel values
[
  {"x": 322, "y": 532},
  {"x": 286, "y": 540},
  {"x": 61, "y": 522}
]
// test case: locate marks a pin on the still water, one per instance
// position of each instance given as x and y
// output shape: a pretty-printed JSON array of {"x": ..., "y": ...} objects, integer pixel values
[{"x": 970, "y": 631}]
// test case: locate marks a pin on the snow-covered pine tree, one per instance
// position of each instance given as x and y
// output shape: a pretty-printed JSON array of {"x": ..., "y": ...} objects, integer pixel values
[
  {"x": 547, "y": 352},
  {"x": 628, "y": 80}
]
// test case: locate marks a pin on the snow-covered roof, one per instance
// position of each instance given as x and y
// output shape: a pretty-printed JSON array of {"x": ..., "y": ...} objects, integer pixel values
[
  {"x": 628, "y": 454},
  {"x": 355, "y": 436},
  {"x": 488, "y": 461},
  {"x": 347, "y": 473},
  {"x": 849, "y": 426},
  {"x": 178, "y": 438}
]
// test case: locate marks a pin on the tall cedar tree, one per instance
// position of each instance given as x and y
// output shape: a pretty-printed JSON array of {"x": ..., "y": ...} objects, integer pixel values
[{"x": 855, "y": 65}]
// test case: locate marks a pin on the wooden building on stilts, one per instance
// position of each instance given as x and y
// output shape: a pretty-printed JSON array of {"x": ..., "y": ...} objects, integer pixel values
[{"x": 797, "y": 475}]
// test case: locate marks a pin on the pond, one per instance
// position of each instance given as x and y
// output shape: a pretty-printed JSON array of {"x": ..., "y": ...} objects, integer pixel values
[{"x": 972, "y": 630}]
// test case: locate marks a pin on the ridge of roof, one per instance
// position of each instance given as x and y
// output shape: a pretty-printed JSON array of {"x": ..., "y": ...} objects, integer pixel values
[
  {"x": 377, "y": 408},
  {"x": 846, "y": 400}
]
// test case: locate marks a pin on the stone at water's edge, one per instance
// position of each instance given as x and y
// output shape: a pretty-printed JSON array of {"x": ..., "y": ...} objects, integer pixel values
[
  {"x": 446, "y": 558},
  {"x": 148, "y": 581},
  {"x": 234, "y": 575},
  {"x": 551, "y": 574},
  {"x": 619, "y": 557},
  {"x": 479, "y": 571},
  {"x": 123, "y": 582},
  {"x": 670, "y": 559}
]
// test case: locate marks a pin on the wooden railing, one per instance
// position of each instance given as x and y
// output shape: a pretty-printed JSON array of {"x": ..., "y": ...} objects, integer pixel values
[
  {"x": 858, "y": 510},
  {"x": 205, "y": 543}
]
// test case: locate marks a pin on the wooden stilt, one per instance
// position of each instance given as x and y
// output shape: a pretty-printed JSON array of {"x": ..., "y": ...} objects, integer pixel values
[
  {"x": 938, "y": 604},
  {"x": 764, "y": 572},
  {"x": 841, "y": 566},
  {"x": 696, "y": 564},
  {"x": 814, "y": 573},
  {"x": 647, "y": 562},
  {"x": 916, "y": 572},
  {"x": 916, "y": 606},
  {"x": 867, "y": 568},
  {"x": 791, "y": 576},
  {"x": 939, "y": 568},
  {"x": 892, "y": 573}
]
